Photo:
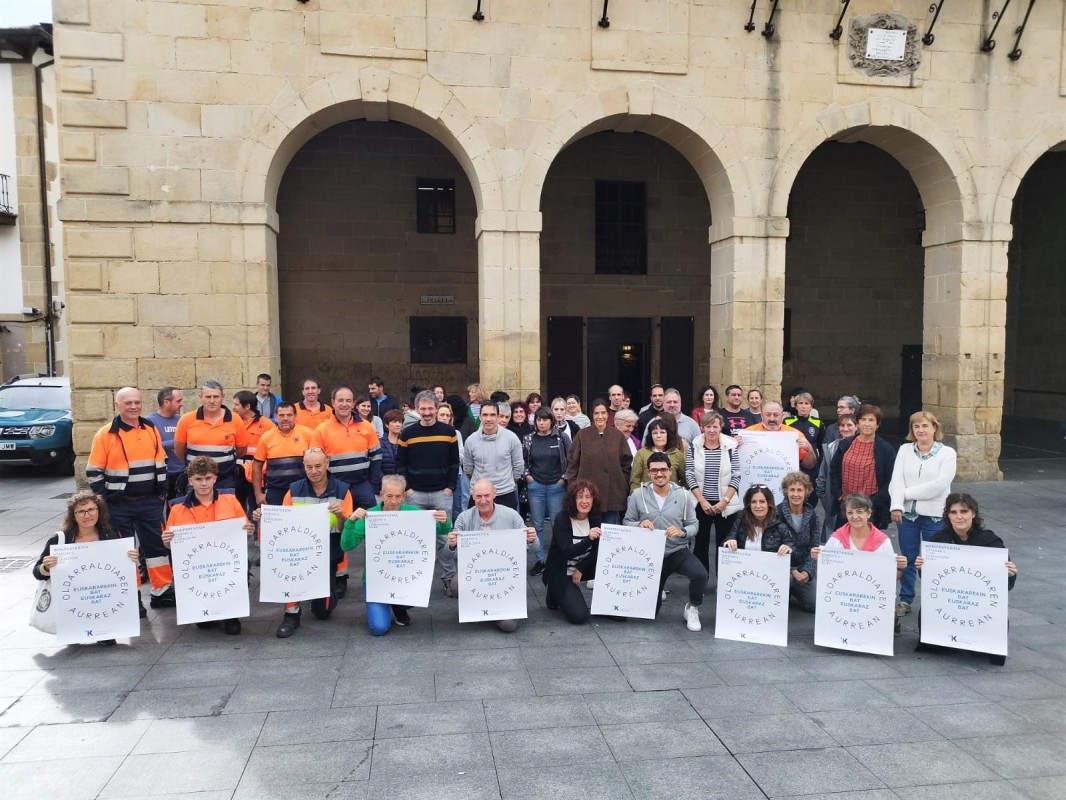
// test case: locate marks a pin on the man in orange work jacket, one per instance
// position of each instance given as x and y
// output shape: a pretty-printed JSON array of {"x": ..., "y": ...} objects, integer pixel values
[
  {"x": 127, "y": 467},
  {"x": 318, "y": 487},
  {"x": 204, "y": 503},
  {"x": 214, "y": 431}
]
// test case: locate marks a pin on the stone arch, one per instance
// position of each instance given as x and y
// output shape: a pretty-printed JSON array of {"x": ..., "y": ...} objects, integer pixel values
[
  {"x": 1044, "y": 141},
  {"x": 929, "y": 154},
  {"x": 294, "y": 117},
  {"x": 650, "y": 109}
]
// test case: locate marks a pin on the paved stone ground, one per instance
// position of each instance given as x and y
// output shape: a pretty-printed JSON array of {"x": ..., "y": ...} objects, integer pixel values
[{"x": 610, "y": 709}]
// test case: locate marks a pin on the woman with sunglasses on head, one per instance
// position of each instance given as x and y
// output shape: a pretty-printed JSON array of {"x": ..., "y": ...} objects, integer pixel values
[{"x": 757, "y": 526}]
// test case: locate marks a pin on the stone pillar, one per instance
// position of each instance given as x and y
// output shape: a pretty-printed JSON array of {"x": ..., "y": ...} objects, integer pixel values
[
  {"x": 509, "y": 300},
  {"x": 964, "y": 343},
  {"x": 748, "y": 302}
]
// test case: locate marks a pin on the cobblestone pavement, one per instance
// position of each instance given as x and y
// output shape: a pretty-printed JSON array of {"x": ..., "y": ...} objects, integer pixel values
[{"x": 610, "y": 709}]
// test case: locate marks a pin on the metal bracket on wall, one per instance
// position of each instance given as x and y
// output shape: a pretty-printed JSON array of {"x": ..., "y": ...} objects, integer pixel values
[
  {"x": 604, "y": 22},
  {"x": 478, "y": 16},
  {"x": 750, "y": 26},
  {"x": 1016, "y": 53},
  {"x": 838, "y": 31},
  {"x": 928, "y": 39},
  {"x": 768, "y": 28}
]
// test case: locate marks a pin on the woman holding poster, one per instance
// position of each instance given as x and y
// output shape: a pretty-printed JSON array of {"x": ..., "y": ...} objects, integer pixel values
[
  {"x": 858, "y": 534},
  {"x": 572, "y": 556},
  {"x": 963, "y": 526},
  {"x": 757, "y": 527},
  {"x": 87, "y": 520},
  {"x": 202, "y": 504},
  {"x": 921, "y": 480}
]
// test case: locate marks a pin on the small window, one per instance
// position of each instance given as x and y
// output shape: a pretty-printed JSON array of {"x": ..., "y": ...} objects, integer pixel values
[
  {"x": 436, "y": 205},
  {"x": 621, "y": 228},
  {"x": 438, "y": 340}
]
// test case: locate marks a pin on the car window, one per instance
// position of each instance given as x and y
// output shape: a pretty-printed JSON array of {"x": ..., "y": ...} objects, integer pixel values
[{"x": 48, "y": 397}]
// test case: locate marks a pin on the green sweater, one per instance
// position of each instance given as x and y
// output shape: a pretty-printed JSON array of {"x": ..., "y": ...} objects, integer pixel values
[{"x": 355, "y": 529}]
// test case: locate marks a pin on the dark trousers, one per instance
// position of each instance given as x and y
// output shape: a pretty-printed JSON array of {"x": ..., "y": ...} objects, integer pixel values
[
  {"x": 561, "y": 590},
  {"x": 721, "y": 526},
  {"x": 362, "y": 494},
  {"x": 684, "y": 561},
  {"x": 142, "y": 517}
]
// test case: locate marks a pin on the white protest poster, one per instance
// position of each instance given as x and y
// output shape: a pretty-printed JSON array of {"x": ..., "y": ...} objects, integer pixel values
[
  {"x": 294, "y": 553},
  {"x": 752, "y": 597},
  {"x": 856, "y": 597},
  {"x": 629, "y": 566},
  {"x": 766, "y": 457},
  {"x": 964, "y": 597},
  {"x": 210, "y": 563},
  {"x": 93, "y": 589},
  {"x": 492, "y": 575},
  {"x": 401, "y": 549}
]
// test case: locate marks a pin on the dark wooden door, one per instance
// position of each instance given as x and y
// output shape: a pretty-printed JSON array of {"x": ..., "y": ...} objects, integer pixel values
[
  {"x": 565, "y": 369},
  {"x": 676, "y": 354},
  {"x": 619, "y": 351}
]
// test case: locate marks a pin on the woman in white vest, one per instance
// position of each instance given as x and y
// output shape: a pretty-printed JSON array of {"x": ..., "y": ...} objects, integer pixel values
[{"x": 712, "y": 470}]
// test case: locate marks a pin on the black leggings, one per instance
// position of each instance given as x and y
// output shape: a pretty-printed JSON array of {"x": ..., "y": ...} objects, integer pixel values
[
  {"x": 561, "y": 590},
  {"x": 721, "y": 526}
]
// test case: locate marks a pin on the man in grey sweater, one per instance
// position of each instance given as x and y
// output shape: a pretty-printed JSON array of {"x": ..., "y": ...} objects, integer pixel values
[
  {"x": 664, "y": 506},
  {"x": 494, "y": 454}
]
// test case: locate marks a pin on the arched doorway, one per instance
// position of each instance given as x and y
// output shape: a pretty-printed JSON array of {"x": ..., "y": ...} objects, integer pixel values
[
  {"x": 1035, "y": 366},
  {"x": 377, "y": 260},
  {"x": 854, "y": 280},
  {"x": 625, "y": 268}
]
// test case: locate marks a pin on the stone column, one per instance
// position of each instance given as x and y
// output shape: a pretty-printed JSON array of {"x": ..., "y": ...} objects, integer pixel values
[
  {"x": 748, "y": 302},
  {"x": 964, "y": 343},
  {"x": 509, "y": 300}
]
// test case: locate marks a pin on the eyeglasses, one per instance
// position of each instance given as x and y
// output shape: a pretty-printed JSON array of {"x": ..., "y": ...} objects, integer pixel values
[
  {"x": 656, "y": 470},
  {"x": 311, "y": 450},
  {"x": 85, "y": 512}
]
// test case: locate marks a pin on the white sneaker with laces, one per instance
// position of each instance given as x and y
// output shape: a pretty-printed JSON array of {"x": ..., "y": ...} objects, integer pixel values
[{"x": 692, "y": 617}]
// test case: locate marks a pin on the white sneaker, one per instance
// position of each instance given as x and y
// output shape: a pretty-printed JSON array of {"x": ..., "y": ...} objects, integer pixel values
[
  {"x": 692, "y": 617},
  {"x": 590, "y": 584}
]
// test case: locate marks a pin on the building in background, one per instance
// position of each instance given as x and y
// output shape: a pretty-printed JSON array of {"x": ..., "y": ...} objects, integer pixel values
[
  {"x": 31, "y": 269},
  {"x": 548, "y": 197}
]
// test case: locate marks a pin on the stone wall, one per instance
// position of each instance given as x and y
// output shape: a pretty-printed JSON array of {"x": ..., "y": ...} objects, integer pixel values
[
  {"x": 352, "y": 266},
  {"x": 180, "y": 119},
  {"x": 679, "y": 257},
  {"x": 854, "y": 272}
]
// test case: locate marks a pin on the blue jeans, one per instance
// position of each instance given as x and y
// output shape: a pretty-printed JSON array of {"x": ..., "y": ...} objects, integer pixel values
[
  {"x": 611, "y": 517},
  {"x": 461, "y": 495},
  {"x": 545, "y": 499},
  {"x": 378, "y": 616},
  {"x": 911, "y": 535}
]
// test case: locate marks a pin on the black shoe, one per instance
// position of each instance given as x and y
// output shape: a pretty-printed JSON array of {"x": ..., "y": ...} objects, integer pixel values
[
  {"x": 549, "y": 601},
  {"x": 537, "y": 568},
  {"x": 205, "y": 625},
  {"x": 165, "y": 600},
  {"x": 401, "y": 617},
  {"x": 340, "y": 586},
  {"x": 106, "y": 643},
  {"x": 997, "y": 661},
  {"x": 141, "y": 610},
  {"x": 322, "y": 607},
  {"x": 232, "y": 626},
  {"x": 288, "y": 625}
]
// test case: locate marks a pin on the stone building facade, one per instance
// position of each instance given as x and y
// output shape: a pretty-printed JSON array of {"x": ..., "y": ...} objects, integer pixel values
[
  {"x": 240, "y": 183},
  {"x": 31, "y": 263}
]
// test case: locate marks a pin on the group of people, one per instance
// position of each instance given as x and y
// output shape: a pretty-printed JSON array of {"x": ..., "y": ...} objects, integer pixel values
[{"x": 485, "y": 461}]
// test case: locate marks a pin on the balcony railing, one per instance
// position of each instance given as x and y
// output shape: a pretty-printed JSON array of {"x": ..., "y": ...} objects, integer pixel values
[{"x": 7, "y": 211}]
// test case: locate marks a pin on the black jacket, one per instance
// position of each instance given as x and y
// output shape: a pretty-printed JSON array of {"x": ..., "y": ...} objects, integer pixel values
[
  {"x": 564, "y": 548},
  {"x": 884, "y": 460},
  {"x": 777, "y": 534},
  {"x": 978, "y": 537},
  {"x": 803, "y": 539}
]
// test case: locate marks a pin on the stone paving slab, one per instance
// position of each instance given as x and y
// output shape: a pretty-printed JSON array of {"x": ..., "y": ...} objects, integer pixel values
[{"x": 611, "y": 709}]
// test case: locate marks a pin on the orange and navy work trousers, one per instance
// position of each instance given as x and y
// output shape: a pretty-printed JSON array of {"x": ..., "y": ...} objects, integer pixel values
[{"x": 142, "y": 518}]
